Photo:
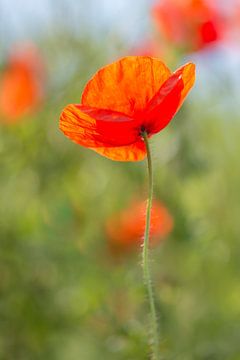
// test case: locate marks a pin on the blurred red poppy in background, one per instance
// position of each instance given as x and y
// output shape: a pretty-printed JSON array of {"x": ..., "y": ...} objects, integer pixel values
[
  {"x": 21, "y": 83},
  {"x": 189, "y": 24},
  {"x": 125, "y": 230},
  {"x": 147, "y": 48},
  {"x": 133, "y": 95}
]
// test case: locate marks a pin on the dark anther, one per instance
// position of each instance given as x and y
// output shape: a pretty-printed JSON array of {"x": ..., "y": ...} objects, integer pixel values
[{"x": 142, "y": 130}]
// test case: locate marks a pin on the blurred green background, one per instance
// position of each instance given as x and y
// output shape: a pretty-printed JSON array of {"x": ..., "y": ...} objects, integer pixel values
[{"x": 63, "y": 294}]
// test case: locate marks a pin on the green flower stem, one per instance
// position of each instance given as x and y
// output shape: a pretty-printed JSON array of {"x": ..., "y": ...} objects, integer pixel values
[{"x": 145, "y": 257}]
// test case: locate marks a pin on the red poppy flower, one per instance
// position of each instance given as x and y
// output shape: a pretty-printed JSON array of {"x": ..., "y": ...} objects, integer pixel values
[
  {"x": 21, "y": 84},
  {"x": 125, "y": 230},
  {"x": 189, "y": 24},
  {"x": 122, "y": 100}
]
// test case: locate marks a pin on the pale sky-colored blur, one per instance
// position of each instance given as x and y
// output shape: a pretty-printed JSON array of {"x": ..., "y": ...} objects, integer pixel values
[{"x": 26, "y": 18}]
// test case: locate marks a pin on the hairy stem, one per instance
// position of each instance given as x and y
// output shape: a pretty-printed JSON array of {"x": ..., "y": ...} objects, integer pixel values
[{"x": 145, "y": 257}]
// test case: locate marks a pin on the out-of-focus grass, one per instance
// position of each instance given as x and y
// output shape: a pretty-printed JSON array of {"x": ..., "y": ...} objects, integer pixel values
[{"x": 63, "y": 295}]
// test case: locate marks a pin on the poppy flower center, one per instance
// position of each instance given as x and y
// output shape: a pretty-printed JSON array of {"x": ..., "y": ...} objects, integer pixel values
[{"x": 143, "y": 130}]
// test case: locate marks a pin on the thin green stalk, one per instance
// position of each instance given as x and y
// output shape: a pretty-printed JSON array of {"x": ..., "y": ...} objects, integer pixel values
[{"x": 145, "y": 257}]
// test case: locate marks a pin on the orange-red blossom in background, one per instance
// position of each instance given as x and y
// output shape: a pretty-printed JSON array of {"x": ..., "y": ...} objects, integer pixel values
[
  {"x": 21, "y": 83},
  {"x": 148, "y": 47},
  {"x": 125, "y": 229},
  {"x": 190, "y": 25},
  {"x": 124, "y": 99}
]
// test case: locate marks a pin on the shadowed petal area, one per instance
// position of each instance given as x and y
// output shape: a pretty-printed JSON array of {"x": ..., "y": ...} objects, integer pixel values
[
  {"x": 163, "y": 106},
  {"x": 133, "y": 152},
  {"x": 127, "y": 85},
  {"x": 92, "y": 127}
]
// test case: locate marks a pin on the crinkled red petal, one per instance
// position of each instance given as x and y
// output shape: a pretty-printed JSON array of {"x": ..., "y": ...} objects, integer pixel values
[
  {"x": 163, "y": 106},
  {"x": 133, "y": 152},
  {"x": 92, "y": 127},
  {"x": 126, "y": 85}
]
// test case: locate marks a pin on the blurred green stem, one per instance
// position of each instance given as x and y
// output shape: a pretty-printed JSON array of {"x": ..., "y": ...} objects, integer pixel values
[{"x": 145, "y": 256}]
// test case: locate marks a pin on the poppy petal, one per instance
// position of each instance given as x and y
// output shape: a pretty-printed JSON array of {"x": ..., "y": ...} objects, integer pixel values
[
  {"x": 127, "y": 85},
  {"x": 19, "y": 92},
  {"x": 134, "y": 152},
  {"x": 22, "y": 83},
  {"x": 163, "y": 106},
  {"x": 188, "y": 76},
  {"x": 93, "y": 127}
]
